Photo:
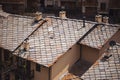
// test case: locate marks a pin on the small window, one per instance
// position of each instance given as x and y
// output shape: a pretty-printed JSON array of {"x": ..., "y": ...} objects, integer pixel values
[
  {"x": 21, "y": 62},
  {"x": 38, "y": 67},
  {"x": 103, "y": 6}
]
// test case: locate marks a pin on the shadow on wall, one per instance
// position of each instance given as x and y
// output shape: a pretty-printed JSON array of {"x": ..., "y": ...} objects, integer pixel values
[{"x": 80, "y": 67}]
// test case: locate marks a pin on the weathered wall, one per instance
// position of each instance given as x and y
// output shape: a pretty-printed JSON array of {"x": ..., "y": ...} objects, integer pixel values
[
  {"x": 42, "y": 75},
  {"x": 89, "y": 54},
  {"x": 65, "y": 62}
]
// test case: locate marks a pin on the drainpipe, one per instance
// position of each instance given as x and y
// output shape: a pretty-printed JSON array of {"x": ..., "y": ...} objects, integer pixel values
[
  {"x": 80, "y": 51},
  {"x": 83, "y": 12},
  {"x": 49, "y": 73}
]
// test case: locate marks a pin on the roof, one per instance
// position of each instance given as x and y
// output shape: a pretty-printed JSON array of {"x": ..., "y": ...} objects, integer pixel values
[
  {"x": 99, "y": 36},
  {"x": 107, "y": 70},
  {"x": 14, "y": 29},
  {"x": 47, "y": 42},
  {"x": 102, "y": 70},
  {"x": 53, "y": 39}
]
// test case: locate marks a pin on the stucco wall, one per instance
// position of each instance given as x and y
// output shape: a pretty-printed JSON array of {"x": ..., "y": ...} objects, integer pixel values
[
  {"x": 65, "y": 62},
  {"x": 42, "y": 75},
  {"x": 89, "y": 54}
]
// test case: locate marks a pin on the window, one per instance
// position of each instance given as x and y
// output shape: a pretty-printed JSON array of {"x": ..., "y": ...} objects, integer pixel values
[
  {"x": 6, "y": 55},
  {"x": 38, "y": 67},
  {"x": 21, "y": 62},
  {"x": 103, "y": 6}
]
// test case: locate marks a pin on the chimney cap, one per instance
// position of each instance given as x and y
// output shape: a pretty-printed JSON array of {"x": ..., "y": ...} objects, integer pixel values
[
  {"x": 38, "y": 13},
  {"x": 105, "y": 17},
  {"x": 62, "y": 11},
  {"x": 62, "y": 14},
  {"x": 98, "y": 15}
]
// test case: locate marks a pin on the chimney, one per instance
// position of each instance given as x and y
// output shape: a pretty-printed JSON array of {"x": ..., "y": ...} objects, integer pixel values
[
  {"x": 1, "y": 8},
  {"x": 26, "y": 46},
  {"x": 106, "y": 19},
  {"x": 38, "y": 16},
  {"x": 98, "y": 18},
  {"x": 62, "y": 14}
]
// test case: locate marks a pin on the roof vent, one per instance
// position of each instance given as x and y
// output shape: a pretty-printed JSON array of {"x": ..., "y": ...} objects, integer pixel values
[
  {"x": 51, "y": 33},
  {"x": 113, "y": 43}
]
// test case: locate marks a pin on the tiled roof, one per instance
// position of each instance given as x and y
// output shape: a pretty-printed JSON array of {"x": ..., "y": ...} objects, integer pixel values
[
  {"x": 48, "y": 42},
  {"x": 14, "y": 29},
  {"x": 107, "y": 70},
  {"x": 53, "y": 39},
  {"x": 99, "y": 36},
  {"x": 102, "y": 70}
]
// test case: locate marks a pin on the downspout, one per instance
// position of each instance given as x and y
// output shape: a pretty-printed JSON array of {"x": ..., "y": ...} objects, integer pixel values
[
  {"x": 80, "y": 51},
  {"x": 49, "y": 73}
]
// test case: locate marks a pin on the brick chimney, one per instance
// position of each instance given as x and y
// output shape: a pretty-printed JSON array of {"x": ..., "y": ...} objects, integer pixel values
[
  {"x": 98, "y": 18},
  {"x": 38, "y": 16},
  {"x": 106, "y": 19},
  {"x": 62, "y": 14}
]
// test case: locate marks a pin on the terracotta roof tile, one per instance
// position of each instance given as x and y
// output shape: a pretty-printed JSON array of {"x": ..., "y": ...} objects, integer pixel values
[
  {"x": 107, "y": 70},
  {"x": 14, "y": 29},
  {"x": 99, "y": 36},
  {"x": 51, "y": 41}
]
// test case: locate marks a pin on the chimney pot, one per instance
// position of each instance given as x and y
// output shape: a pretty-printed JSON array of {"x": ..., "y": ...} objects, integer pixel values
[
  {"x": 106, "y": 19},
  {"x": 62, "y": 14},
  {"x": 98, "y": 18},
  {"x": 38, "y": 16}
]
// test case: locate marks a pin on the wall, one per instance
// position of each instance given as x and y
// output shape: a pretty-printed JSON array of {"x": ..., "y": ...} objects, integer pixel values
[
  {"x": 114, "y": 4},
  {"x": 42, "y": 75},
  {"x": 5, "y": 63},
  {"x": 65, "y": 62},
  {"x": 89, "y": 54},
  {"x": 103, "y": 1}
]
